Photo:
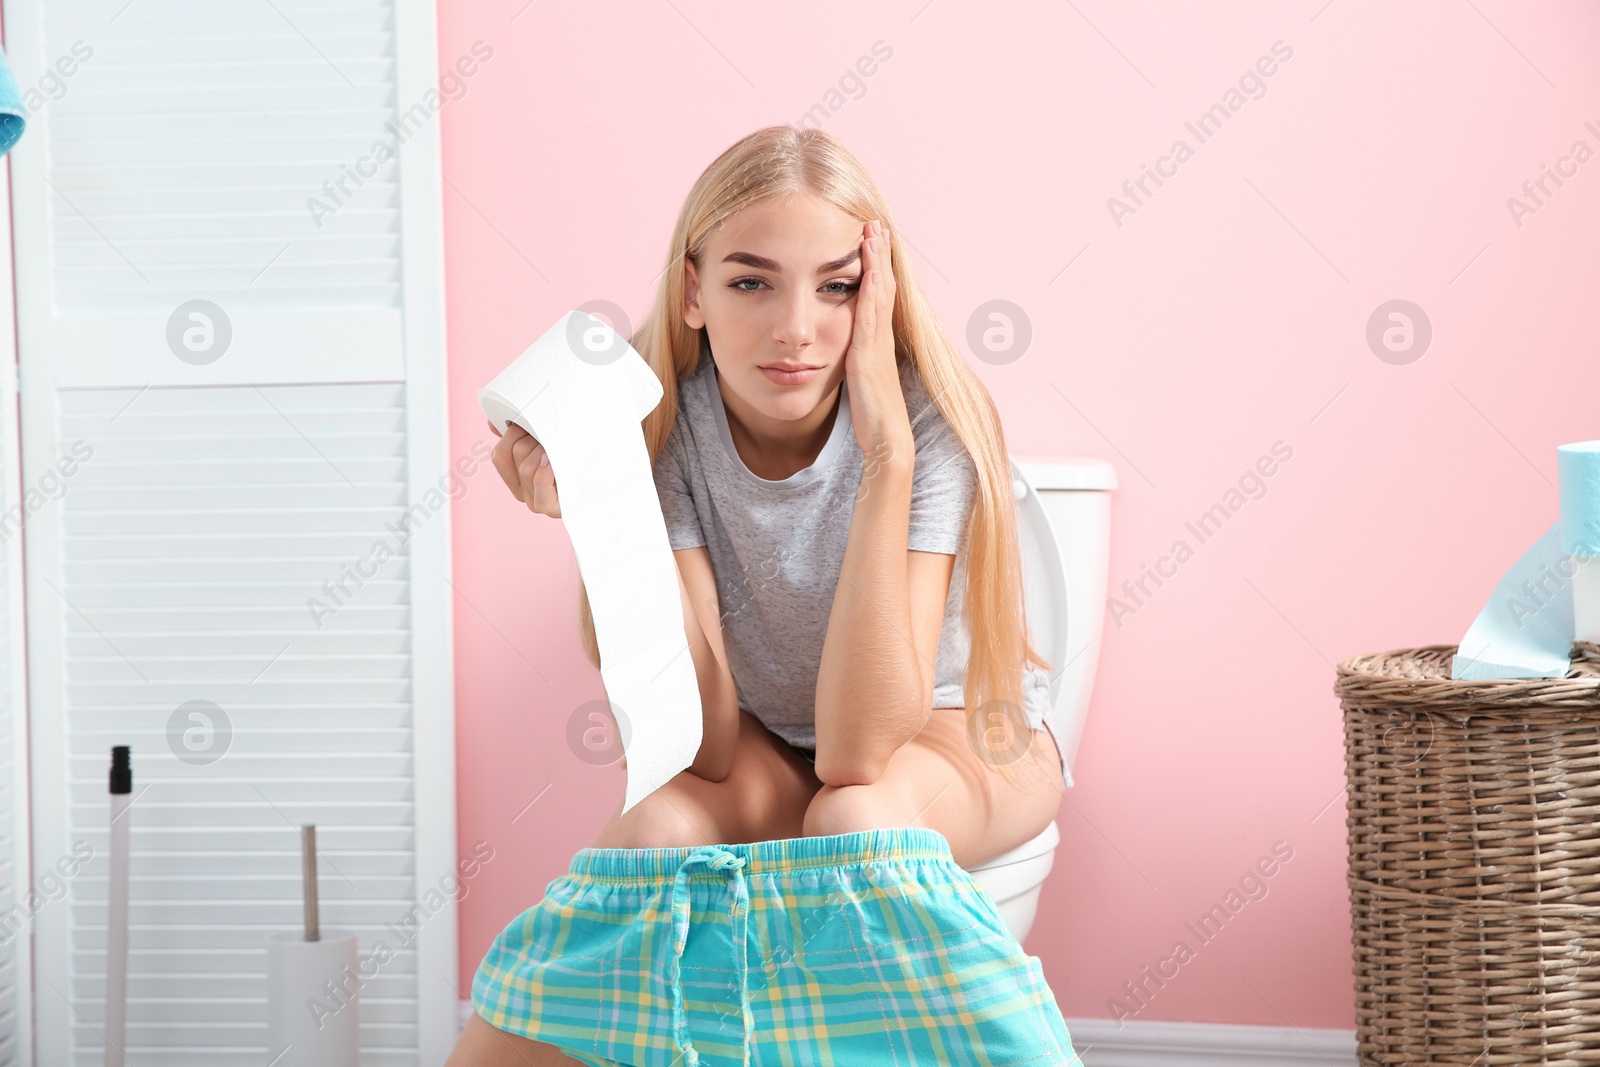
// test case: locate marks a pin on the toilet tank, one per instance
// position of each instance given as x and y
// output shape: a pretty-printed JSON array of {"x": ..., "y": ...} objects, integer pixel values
[{"x": 1064, "y": 531}]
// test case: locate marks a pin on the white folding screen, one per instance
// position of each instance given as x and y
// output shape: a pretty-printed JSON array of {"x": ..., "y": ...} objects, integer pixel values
[
  {"x": 16, "y": 903},
  {"x": 232, "y": 360}
]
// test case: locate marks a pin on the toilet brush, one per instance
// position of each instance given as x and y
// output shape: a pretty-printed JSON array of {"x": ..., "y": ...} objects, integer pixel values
[
  {"x": 117, "y": 908},
  {"x": 308, "y": 880}
]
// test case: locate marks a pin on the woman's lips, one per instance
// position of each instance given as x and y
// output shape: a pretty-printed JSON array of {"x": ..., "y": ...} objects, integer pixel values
[{"x": 791, "y": 377}]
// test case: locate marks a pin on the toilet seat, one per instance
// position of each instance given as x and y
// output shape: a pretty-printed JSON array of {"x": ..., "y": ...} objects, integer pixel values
[
  {"x": 1038, "y": 845},
  {"x": 1013, "y": 880},
  {"x": 1022, "y": 868}
]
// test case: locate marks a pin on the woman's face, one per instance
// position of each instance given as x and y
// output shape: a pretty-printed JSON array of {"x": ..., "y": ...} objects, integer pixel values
[{"x": 777, "y": 287}]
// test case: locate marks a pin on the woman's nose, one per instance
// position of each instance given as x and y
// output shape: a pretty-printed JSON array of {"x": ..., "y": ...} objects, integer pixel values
[{"x": 796, "y": 328}]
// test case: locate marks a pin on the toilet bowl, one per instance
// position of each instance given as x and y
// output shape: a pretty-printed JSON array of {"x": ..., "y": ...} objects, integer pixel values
[{"x": 1064, "y": 532}]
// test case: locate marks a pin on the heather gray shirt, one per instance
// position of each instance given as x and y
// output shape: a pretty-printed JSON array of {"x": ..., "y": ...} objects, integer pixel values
[{"x": 777, "y": 547}]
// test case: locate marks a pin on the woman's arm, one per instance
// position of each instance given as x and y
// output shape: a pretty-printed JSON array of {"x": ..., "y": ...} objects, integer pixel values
[
  {"x": 874, "y": 693},
  {"x": 719, "y": 700}
]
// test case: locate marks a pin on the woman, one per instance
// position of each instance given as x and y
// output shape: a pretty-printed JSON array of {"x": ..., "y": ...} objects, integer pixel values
[{"x": 838, "y": 496}]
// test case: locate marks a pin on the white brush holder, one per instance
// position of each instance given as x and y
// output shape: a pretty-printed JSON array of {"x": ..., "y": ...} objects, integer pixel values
[{"x": 313, "y": 1001}]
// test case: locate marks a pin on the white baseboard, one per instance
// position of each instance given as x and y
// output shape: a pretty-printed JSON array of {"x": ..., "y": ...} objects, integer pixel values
[{"x": 1102, "y": 1043}]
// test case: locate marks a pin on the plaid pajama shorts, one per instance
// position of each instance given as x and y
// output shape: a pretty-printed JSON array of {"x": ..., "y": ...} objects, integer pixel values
[{"x": 852, "y": 949}]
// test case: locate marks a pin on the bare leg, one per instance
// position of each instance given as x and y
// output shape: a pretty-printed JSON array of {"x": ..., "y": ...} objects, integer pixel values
[
  {"x": 482, "y": 1045},
  {"x": 764, "y": 797},
  {"x": 937, "y": 780}
]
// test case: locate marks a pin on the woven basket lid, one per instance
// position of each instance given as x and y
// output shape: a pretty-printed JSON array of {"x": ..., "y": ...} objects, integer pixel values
[{"x": 1419, "y": 678}]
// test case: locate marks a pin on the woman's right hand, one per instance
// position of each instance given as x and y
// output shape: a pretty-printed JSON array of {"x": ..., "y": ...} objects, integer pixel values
[{"x": 526, "y": 470}]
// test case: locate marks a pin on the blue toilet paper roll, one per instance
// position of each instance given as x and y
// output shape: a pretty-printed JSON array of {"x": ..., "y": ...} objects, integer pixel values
[
  {"x": 1578, "y": 468},
  {"x": 1547, "y": 598},
  {"x": 13, "y": 116}
]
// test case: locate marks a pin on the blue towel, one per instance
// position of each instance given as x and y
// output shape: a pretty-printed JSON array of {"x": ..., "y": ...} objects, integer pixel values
[{"x": 12, "y": 115}]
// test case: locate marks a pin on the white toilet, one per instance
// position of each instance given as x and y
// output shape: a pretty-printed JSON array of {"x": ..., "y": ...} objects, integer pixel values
[{"x": 1064, "y": 529}]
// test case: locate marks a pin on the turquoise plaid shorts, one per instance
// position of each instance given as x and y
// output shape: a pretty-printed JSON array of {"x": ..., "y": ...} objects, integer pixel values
[{"x": 863, "y": 949}]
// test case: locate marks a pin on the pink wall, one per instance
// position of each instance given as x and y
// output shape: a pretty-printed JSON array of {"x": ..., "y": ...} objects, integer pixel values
[{"x": 1227, "y": 313}]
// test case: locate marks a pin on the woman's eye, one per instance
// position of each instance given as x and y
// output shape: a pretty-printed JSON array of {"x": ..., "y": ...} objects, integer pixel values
[{"x": 839, "y": 287}]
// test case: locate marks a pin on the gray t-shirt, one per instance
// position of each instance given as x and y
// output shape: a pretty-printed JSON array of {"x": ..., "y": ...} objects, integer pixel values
[{"x": 777, "y": 547}]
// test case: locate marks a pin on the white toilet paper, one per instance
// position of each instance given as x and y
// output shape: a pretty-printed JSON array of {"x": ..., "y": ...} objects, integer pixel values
[{"x": 581, "y": 391}]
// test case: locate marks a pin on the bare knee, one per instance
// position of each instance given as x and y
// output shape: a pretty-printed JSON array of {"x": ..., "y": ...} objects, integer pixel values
[
  {"x": 668, "y": 818},
  {"x": 848, "y": 809},
  {"x": 481, "y": 1045}
]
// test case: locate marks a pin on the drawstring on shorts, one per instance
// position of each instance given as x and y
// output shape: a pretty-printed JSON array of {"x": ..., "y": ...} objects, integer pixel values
[{"x": 716, "y": 859}]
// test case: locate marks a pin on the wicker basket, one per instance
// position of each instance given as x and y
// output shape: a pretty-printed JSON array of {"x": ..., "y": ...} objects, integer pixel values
[{"x": 1474, "y": 830}]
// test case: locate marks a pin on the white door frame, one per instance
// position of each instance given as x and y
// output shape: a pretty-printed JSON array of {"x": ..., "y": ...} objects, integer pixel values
[
  {"x": 423, "y": 334},
  {"x": 16, "y": 639}
]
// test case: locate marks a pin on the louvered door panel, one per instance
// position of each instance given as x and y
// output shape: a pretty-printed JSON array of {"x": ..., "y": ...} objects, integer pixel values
[
  {"x": 188, "y": 157},
  {"x": 259, "y": 530},
  {"x": 188, "y": 576}
]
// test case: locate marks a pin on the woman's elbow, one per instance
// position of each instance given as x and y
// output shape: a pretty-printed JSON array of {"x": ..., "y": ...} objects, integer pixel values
[{"x": 848, "y": 771}]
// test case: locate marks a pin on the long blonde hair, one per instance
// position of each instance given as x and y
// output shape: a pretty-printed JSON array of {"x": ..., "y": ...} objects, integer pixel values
[{"x": 780, "y": 160}]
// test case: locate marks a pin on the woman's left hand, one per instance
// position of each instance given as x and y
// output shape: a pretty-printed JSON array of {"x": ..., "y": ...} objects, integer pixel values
[{"x": 877, "y": 404}]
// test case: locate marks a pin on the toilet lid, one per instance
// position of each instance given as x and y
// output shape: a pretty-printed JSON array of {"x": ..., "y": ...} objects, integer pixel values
[
  {"x": 1044, "y": 578},
  {"x": 1069, "y": 472}
]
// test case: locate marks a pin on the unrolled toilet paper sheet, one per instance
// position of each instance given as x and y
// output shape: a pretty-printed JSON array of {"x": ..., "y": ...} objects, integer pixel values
[
  {"x": 581, "y": 391},
  {"x": 1525, "y": 630}
]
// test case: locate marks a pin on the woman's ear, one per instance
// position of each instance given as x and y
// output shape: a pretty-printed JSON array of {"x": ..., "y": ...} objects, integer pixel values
[{"x": 693, "y": 316}]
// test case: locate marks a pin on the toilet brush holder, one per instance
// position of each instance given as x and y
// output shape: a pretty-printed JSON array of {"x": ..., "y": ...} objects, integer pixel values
[
  {"x": 313, "y": 1010},
  {"x": 313, "y": 992}
]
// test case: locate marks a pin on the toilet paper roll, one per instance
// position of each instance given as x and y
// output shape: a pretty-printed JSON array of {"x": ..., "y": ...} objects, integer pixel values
[
  {"x": 581, "y": 390},
  {"x": 313, "y": 1001},
  {"x": 1578, "y": 468}
]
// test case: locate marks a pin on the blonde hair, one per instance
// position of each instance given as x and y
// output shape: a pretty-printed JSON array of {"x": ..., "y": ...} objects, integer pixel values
[{"x": 778, "y": 161}]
